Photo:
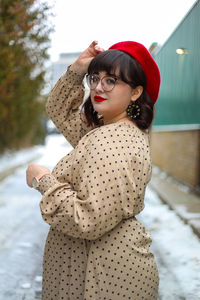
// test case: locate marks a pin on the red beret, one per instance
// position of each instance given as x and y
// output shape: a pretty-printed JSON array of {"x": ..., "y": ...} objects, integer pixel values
[{"x": 144, "y": 58}]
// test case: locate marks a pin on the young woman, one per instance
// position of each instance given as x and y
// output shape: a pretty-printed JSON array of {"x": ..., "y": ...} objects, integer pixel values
[{"x": 96, "y": 249}]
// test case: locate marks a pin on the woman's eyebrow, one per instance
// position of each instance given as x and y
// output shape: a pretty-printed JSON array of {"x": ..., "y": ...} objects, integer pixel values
[
  {"x": 114, "y": 75},
  {"x": 111, "y": 74}
]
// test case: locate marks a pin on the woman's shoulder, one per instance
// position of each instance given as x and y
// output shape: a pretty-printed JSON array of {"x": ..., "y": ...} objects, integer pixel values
[
  {"x": 119, "y": 129},
  {"x": 119, "y": 135}
]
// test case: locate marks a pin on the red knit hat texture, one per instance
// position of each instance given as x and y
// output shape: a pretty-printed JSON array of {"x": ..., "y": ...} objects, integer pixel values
[{"x": 144, "y": 58}]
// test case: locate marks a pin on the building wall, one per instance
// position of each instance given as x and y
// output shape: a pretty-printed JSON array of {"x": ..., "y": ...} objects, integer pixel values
[
  {"x": 177, "y": 152},
  {"x": 179, "y": 95},
  {"x": 175, "y": 144}
]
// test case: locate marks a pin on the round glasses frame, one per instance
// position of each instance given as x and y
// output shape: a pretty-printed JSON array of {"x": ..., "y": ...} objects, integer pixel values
[{"x": 107, "y": 82}]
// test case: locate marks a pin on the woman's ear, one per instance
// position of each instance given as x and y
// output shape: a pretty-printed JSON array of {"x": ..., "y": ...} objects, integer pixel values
[{"x": 136, "y": 93}]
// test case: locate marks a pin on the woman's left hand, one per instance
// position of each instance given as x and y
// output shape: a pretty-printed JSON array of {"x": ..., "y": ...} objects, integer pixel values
[{"x": 36, "y": 171}]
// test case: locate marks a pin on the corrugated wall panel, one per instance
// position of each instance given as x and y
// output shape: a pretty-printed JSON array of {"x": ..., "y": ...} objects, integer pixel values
[{"x": 179, "y": 98}]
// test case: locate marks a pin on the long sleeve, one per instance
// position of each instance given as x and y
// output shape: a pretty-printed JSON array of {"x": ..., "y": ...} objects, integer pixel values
[
  {"x": 63, "y": 106},
  {"x": 108, "y": 187}
]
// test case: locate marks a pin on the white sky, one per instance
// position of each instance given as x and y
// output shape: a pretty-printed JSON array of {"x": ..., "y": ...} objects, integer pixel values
[{"x": 79, "y": 22}]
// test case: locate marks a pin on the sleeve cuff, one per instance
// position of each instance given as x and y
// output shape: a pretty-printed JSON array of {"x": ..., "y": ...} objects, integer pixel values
[{"x": 46, "y": 182}]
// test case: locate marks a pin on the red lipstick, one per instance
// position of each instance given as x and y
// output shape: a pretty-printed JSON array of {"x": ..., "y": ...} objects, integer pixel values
[{"x": 99, "y": 99}]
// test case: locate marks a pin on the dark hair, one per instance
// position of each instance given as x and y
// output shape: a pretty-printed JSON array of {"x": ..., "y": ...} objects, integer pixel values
[{"x": 131, "y": 72}]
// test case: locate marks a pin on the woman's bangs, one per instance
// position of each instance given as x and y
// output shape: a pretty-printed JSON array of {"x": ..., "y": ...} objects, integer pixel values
[{"x": 107, "y": 61}]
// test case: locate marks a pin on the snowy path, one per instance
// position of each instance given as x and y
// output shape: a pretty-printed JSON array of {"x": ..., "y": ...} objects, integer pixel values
[
  {"x": 23, "y": 232},
  {"x": 22, "y": 237},
  {"x": 176, "y": 248}
]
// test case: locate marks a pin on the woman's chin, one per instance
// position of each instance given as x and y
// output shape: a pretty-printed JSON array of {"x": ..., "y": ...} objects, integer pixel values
[{"x": 98, "y": 107}]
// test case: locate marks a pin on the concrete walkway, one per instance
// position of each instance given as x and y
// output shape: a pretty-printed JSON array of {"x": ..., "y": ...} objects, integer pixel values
[
  {"x": 179, "y": 197},
  {"x": 11, "y": 161}
]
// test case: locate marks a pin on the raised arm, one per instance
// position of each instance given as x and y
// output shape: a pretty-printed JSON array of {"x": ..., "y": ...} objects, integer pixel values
[{"x": 63, "y": 105}]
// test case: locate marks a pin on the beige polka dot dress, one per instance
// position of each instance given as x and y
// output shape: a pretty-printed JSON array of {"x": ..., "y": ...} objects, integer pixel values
[{"x": 96, "y": 249}]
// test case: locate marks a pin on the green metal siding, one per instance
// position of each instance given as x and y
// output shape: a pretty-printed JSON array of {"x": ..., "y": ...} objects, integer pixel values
[{"x": 179, "y": 98}]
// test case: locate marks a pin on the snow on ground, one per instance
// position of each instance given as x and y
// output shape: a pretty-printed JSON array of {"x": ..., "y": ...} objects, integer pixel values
[
  {"x": 15, "y": 158},
  {"x": 176, "y": 248},
  {"x": 55, "y": 147},
  {"x": 23, "y": 232}
]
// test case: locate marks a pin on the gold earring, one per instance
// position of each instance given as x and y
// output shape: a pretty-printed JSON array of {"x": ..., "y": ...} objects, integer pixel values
[{"x": 133, "y": 111}]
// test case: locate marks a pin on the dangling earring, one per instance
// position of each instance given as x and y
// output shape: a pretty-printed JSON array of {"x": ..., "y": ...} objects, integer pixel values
[{"x": 133, "y": 111}]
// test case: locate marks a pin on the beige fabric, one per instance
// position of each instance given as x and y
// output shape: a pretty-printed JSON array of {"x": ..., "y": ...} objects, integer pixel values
[{"x": 96, "y": 249}]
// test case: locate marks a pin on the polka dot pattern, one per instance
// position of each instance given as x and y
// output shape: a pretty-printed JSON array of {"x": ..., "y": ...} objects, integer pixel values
[
  {"x": 96, "y": 249},
  {"x": 63, "y": 107}
]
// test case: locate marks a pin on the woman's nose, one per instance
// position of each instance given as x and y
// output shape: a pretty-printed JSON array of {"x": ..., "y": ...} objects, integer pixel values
[{"x": 99, "y": 87}]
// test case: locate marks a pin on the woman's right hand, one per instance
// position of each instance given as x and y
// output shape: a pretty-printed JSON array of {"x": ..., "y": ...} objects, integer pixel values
[{"x": 82, "y": 63}]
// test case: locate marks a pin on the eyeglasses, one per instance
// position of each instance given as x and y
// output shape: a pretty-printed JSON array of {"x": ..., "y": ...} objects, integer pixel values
[{"x": 107, "y": 82}]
